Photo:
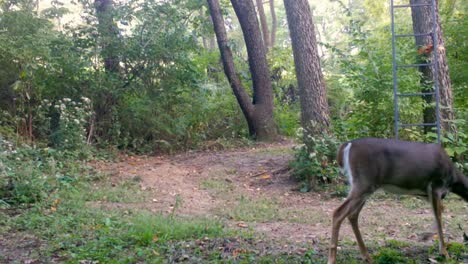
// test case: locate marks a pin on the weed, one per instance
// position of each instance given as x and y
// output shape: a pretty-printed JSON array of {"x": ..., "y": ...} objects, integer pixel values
[
  {"x": 397, "y": 244},
  {"x": 389, "y": 256},
  {"x": 457, "y": 251},
  {"x": 314, "y": 163},
  {"x": 253, "y": 210},
  {"x": 147, "y": 229},
  {"x": 217, "y": 185}
]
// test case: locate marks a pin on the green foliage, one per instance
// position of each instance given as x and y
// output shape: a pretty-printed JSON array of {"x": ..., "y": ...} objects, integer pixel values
[
  {"x": 316, "y": 164},
  {"x": 457, "y": 252},
  {"x": 147, "y": 229},
  {"x": 31, "y": 175},
  {"x": 253, "y": 210},
  {"x": 72, "y": 119},
  {"x": 287, "y": 118},
  {"x": 389, "y": 256}
]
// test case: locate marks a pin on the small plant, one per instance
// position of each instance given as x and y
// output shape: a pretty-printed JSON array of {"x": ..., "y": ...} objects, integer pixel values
[
  {"x": 457, "y": 251},
  {"x": 314, "y": 163},
  {"x": 389, "y": 256},
  {"x": 147, "y": 229}
]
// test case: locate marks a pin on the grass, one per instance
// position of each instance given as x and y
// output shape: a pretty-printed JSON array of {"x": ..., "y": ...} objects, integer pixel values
[
  {"x": 252, "y": 210},
  {"x": 74, "y": 232},
  {"x": 64, "y": 227},
  {"x": 147, "y": 229},
  {"x": 127, "y": 191},
  {"x": 219, "y": 186}
]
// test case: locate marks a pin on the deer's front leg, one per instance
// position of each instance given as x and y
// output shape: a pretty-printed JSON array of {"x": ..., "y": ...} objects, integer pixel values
[{"x": 437, "y": 209}]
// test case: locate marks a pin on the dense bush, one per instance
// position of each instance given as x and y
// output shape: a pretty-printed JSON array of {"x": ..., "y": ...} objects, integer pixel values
[{"x": 315, "y": 163}]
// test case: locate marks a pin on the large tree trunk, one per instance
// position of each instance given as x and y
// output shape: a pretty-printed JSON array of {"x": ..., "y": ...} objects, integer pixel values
[
  {"x": 263, "y": 22},
  {"x": 422, "y": 23},
  {"x": 259, "y": 113},
  {"x": 273, "y": 23},
  {"x": 313, "y": 97}
]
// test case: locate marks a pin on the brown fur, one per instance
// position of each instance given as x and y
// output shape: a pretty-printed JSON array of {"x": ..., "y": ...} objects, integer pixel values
[{"x": 397, "y": 166}]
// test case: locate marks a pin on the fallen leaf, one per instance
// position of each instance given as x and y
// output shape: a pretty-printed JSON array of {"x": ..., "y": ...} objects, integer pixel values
[{"x": 243, "y": 225}]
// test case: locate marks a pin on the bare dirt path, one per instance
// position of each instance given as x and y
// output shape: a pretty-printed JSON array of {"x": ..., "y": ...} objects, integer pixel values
[{"x": 252, "y": 188}]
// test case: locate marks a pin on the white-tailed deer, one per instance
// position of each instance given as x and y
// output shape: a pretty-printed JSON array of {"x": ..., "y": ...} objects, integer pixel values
[{"x": 399, "y": 167}]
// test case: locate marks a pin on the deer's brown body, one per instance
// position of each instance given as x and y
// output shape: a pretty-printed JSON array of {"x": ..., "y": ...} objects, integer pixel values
[{"x": 399, "y": 167}]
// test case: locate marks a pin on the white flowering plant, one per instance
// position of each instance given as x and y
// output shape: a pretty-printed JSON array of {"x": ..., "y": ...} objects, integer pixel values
[{"x": 72, "y": 119}]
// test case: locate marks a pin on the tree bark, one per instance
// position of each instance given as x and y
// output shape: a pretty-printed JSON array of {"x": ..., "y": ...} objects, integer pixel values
[
  {"x": 264, "y": 24},
  {"x": 313, "y": 97},
  {"x": 273, "y": 23},
  {"x": 259, "y": 112},
  {"x": 105, "y": 98},
  {"x": 422, "y": 23},
  {"x": 109, "y": 34}
]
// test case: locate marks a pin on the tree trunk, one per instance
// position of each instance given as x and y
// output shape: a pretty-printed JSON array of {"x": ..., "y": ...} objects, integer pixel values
[
  {"x": 263, "y": 22},
  {"x": 314, "y": 108},
  {"x": 273, "y": 23},
  {"x": 259, "y": 113},
  {"x": 422, "y": 23},
  {"x": 109, "y": 35},
  {"x": 105, "y": 98}
]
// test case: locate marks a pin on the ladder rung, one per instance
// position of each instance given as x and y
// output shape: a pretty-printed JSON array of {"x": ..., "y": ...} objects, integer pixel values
[
  {"x": 414, "y": 65},
  {"x": 415, "y": 94},
  {"x": 420, "y": 124},
  {"x": 415, "y": 5},
  {"x": 413, "y": 35}
]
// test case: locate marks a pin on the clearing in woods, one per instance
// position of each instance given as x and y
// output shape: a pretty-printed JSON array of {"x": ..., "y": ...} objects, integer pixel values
[{"x": 251, "y": 189}]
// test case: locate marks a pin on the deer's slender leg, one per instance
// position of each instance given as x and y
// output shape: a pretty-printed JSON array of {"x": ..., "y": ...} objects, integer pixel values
[
  {"x": 349, "y": 206},
  {"x": 353, "y": 219},
  {"x": 437, "y": 209}
]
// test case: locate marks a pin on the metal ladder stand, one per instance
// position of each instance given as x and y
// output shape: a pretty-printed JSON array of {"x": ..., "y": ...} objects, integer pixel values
[{"x": 433, "y": 63}]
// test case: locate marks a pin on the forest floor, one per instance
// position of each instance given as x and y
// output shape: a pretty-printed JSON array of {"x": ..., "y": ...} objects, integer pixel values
[
  {"x": 252, "y": 189},
  {"x": 251, "y": 193}
]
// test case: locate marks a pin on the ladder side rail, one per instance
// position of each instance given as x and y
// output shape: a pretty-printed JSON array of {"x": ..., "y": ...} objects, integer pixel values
[
  {"x": 435, "y": 40},
  {"x": 394, "y": 70}
]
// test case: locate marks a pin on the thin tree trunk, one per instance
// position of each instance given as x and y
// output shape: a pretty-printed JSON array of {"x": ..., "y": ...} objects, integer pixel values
[
  {"x": 273, "y": 23},
  {"x": 314, "y": 108},
  {"x": 109, "y": 34},
  {"x": 259, "y": 113},
  {"x": 422, "y": 23},
  {"x": 263, "y": 22},
  {"x": 109, "y": 43}
]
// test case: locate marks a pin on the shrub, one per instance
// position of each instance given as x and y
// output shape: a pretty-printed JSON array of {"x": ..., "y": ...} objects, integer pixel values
[
  {"x": 389, "y": 256},
  {"x": 316, "y": 164}
]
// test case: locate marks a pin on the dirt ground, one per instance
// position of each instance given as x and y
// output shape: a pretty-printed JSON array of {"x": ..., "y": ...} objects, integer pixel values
[{"x": 251, "y": 188}]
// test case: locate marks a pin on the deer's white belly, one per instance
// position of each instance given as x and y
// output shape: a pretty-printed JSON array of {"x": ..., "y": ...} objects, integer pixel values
[{"x": 398, "y": 190}]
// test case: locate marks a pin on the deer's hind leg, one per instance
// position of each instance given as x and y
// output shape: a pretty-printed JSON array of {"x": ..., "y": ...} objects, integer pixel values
[
  {"x": 436, "y": 202},
  {"x": 353, "y": 219},
  {"x": 350, "y": 207}
]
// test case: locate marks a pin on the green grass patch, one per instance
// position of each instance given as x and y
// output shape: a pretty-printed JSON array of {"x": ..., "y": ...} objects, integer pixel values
[
  {"x": 217, "y": 185},
  {"x": 253, "y": 210},
  {"x": 147, "y": 229},
  {"x": 458, "y": 252},
  {"x": 127, "y": 191},
  {"x": 396, "y": 244},
  {"x": 390, "y": 256}
]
